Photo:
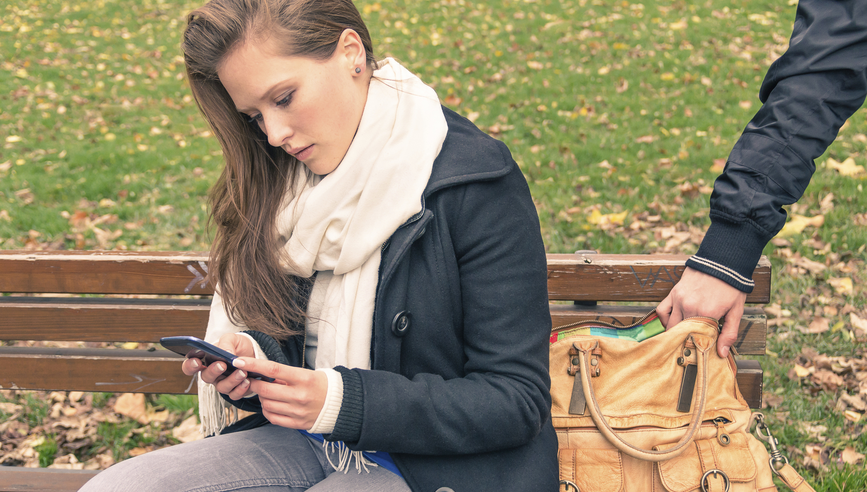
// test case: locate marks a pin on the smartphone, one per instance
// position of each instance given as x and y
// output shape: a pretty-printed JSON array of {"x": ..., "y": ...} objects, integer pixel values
[{"x": 207, "y": 352}]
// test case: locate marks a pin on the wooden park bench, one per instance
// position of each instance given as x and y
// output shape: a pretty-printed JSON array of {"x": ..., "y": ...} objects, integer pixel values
[{"x": 115, "y": 297}]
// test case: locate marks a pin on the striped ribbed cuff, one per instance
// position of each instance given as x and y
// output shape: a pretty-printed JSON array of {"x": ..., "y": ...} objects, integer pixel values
[
  {"x": 730, "y": 251},
  {"x": 722, "y": 272}
]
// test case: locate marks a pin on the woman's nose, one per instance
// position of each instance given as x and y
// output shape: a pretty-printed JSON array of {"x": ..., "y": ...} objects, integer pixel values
[{"x": 278, "y": 132}]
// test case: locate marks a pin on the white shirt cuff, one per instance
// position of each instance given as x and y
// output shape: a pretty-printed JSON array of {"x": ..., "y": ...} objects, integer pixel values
[
  {"x": 257, "y": 350},
  {"x": 333, "y": 401}
]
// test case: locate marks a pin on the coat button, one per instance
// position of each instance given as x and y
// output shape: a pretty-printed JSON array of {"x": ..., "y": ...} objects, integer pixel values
[
  {"x": 445, "y": 489},
  {"x": 401, "y": 323}
]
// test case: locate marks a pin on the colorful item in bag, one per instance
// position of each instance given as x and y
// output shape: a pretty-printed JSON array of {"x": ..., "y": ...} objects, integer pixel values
[{"x": 650, "y": 327}]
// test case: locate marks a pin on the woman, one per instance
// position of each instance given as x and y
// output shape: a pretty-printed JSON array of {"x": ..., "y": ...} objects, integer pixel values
[{"x": 377, "y": 255}]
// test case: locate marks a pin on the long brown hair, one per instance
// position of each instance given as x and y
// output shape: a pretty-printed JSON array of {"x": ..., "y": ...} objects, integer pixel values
[{"x": 246, "y": 255}]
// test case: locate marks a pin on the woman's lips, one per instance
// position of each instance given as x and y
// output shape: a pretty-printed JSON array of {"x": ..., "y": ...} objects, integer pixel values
[{"x": 303, "y": 153}]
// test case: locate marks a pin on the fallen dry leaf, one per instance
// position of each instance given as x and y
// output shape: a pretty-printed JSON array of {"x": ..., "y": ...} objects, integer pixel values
[
  {"x": 772, "y": 401},
  {"x": 798, "y": 223},
  {"x": 105, "y": 237},
  {"x": 813, "y": 431},
  {"x": 827, "y": 380},
  {"x": 606, "y": 220},
  {"x": 827, "y": 203},
  {"x": 188, "y": 430},
  {"x": 816, "y": 457},
  {"x": 801, "y": 371},
  {"x": 858, "y": 322},
  {"x": 132, "y": 405},
  {"x": 842, "y": 285},
  {"x": 140, "y": 451},
  {"x": 67, "y": 462},
  {"x": 851, "y": 457},
  {"x": 25, "y": 195},
  {"x": 818, "y": 325},
  {"x": 161, "y": 416},
  {"x": 99, "y": 462},
  {"x": 811, "y": 266},
  {"x": 845, "y": 168},
  {"x": 853, "y": 401}
]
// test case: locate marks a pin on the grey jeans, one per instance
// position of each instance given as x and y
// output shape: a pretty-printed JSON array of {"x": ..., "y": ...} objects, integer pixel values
[{"x": 267, "y": 458}]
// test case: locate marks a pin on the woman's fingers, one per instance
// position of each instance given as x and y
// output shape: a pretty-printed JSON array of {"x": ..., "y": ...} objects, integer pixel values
[
  {"x": 229, "y": 385},
  {"x": 241, "y": 389},
  {"x": 296, "y": 396},
  {"x": 192, "y": 366}
]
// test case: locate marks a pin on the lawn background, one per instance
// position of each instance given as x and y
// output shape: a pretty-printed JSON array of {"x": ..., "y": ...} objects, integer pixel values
[{"x": 620, "y": 115}]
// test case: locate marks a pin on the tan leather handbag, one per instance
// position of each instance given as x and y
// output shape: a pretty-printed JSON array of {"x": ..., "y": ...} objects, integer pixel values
[{"x": 662, "y": 414}]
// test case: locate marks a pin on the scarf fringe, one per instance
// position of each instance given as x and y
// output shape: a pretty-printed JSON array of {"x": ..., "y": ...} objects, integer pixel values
[
  {"x": 345, "y": 457},
  {"x": 214, "y": 412}
]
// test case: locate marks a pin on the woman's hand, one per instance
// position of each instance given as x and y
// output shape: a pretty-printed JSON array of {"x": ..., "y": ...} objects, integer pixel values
[
  {"x": 296, "y": 396},
  {"x": 235, "y": 385},
  {"x": 699, "y": 294}
]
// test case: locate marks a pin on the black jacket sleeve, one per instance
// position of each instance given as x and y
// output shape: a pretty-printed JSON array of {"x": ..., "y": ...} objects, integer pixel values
[{"x": 808, "y": 93}]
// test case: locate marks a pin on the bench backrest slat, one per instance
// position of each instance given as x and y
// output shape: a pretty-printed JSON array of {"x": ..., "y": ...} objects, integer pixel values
[
  {"x": 631, "y": 278},
  {"x": 112, "y": 272},
  {"x": 66, "y": 320},
  {"x": 575, "y": 277}
]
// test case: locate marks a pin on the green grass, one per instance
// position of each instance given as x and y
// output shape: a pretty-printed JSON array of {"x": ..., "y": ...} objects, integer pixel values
[
  {"x": 47, "y": 450},
  {"x": 178, "y": 403},
  {"x": 609, "y": 107}
]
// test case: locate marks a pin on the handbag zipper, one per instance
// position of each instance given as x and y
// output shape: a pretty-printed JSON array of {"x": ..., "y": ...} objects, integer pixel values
[
  {"x": 716, "y": 422},
  {"x": 640, "y": 321},
  {"x": 721, "y": 434}
]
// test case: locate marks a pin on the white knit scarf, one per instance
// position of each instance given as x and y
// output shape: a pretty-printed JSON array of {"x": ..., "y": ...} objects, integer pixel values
[{"x": 336, "y": 225}]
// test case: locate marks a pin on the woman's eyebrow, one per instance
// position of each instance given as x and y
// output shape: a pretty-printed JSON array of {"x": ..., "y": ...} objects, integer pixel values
[{"x": 266, "y": 95}]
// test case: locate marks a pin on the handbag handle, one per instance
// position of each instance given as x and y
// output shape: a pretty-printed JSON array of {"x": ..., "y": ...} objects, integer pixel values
[{"x": 634, "y": 451}]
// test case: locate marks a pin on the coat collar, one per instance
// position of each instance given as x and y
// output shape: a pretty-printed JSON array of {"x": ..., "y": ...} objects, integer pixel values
[{"x": 467, "y": 155}]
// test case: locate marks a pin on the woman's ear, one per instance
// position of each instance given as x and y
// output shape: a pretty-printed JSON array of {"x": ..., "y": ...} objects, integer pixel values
[{"x": 350, "y": 47}]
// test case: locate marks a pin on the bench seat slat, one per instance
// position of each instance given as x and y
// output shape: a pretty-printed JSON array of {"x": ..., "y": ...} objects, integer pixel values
[
  {"x": 18, "y": 479},
  {"x": 751, "y": 335},
  {"x": 109, "y": 370}
]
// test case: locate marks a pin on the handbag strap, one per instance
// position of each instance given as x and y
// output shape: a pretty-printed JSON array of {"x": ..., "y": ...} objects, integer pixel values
[
  {"x": 779, "y": 464},
  {"x": 793, "y": 479},
  {"x": 634, "y": 451}
]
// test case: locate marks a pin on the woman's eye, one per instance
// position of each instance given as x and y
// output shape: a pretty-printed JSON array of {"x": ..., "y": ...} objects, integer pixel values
[
  {"x": 256, "y": 118},
  {"x": 285, "y": 100}
]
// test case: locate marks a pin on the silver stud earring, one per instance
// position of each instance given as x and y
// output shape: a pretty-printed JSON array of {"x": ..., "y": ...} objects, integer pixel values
[{"x": 357, "y": 69}]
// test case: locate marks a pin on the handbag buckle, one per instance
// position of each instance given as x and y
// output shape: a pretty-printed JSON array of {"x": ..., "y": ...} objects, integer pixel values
[
  {"x": 715, "y": 472},
  {"x": 570, "y": 486}
]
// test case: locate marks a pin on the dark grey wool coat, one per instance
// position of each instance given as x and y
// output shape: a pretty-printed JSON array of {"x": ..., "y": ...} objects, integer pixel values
[{"x": 458, "y": 392}]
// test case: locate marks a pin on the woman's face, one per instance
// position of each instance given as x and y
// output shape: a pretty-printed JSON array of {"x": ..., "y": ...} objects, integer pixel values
[{"x": 309, "y": 108}]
